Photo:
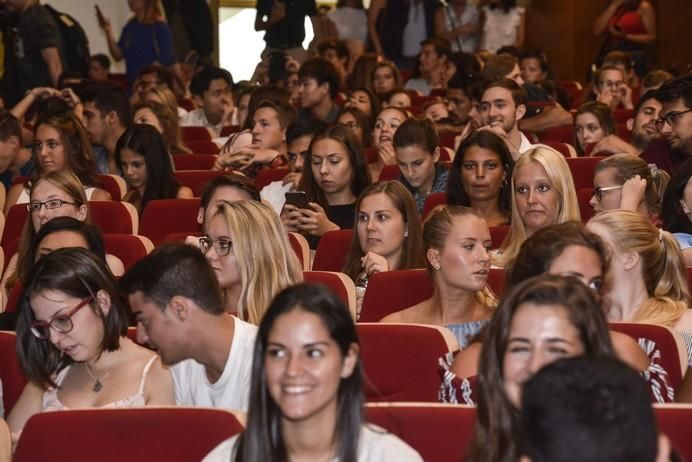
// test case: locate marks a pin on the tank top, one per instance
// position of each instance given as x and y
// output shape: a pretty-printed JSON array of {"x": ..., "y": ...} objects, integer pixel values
[{"x": 51, "y": 401}]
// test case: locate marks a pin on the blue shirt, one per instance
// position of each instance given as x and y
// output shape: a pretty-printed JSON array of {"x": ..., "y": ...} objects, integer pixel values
[{"x": 144, "y": 44}]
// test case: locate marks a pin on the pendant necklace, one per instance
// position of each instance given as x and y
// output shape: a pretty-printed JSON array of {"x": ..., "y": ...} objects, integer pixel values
[{"x": 98, "y": 386}]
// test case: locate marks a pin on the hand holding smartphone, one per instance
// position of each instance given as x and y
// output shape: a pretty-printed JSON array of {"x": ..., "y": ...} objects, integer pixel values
[
  {"x": 99, "y": 16},
  {"x": 298, "y": 199}
]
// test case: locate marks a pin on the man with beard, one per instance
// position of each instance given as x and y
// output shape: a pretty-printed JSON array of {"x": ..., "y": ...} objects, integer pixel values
[{"x": 642, "y": 126}]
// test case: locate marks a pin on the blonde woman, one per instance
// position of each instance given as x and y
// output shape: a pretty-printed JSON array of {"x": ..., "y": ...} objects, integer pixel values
[
  {"x": 165, "y": 121},
  {"x": 543, "y": 194},
  {"x": 457, "y": 247},
  {"x": 650, "y": 272},
  {"x": 248, "y": 248},
  {"x": 163, "y": 95}
]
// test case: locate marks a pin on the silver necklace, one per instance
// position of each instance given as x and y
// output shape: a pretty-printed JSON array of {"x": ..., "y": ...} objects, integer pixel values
[{"x": 98, "y": 385}]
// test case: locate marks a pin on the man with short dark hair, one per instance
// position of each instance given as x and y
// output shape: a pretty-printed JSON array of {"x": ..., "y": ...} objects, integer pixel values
[
  {"x": 589, "y": 409},
  {"x": 319, "y": 85},
  {"x": 284, "y": 23},
  {"x": 175, "y": 298},
  {"x": 211, "y": 90},
  {"x": 433, "y": 60},
  {"x": 99, "y": 67},
  {"x": 106, "y": 110},
  {"x": 503, "y": 104},
  {"x": 336, "y": 52},
  {"x": 150, "y": 77},
  {"x": 15, "y": 160}
]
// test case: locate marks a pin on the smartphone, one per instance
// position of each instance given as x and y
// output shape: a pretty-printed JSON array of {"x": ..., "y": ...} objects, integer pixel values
[
  {"x": 99, "y": 15},
  {"x": 297, "y": 198}
]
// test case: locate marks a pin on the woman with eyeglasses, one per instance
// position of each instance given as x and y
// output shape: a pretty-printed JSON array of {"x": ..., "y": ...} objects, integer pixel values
[
  {"x": 623, "y": 181},
  {"x": 60, "y": 143},
  {"x": 249, "y": 250},
  {"x": 360, "y": 124},
  {"x": 72, "y": 342}
]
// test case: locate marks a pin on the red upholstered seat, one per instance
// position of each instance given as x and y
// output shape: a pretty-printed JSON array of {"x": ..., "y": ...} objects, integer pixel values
[
  {"x": 673, "y": 354},
  {"x": 268, "y": 175},
  {"x": 114, "y": 184},
  {"x": 129, "y": 248},
  {"x": 561, "y": 134},
  {"x": 439, "y": 432},
  {"x": 675, "y": 421},
  {"x": 134, "y": 435},
  {"x": 496, "y": 280},
  {"x": 392, "y": 291},
  {"x": 390, "y": 172},
  {"x": 584, "y": 196},
  {"x": 194, "y": 161},
  {"x": 114, "y": 217},
  {"x": 370, "y": 154},
  {"x": 196, "y": 179},
  {"x": 498, "y": 235},
  {"x": 563, "y": 148},
  {"x": 195, "y": 134},
  {"x": 400, "y": 360},
  {"x": 13, "y": 380},
  {"x": 339, "y": 283},
  {"x": 202, "y": 146},
  {"x": 623, "y": 115},
  {"x": 446, "y": 139},
  {"x": 302, "y": 249},
  {"x": 187, "y": 104},
  {"x": 16, "y": 217},
  {"x": 331, "y": 251},
  {"x": 432, "y": 201},
  {"x": 180, "y": 237},
  {"x": 229, "y": 130},
  {"x": 13, "y": 297},
  {"x": 167, "y": 216},
  {"x": 582, "y": 169}
]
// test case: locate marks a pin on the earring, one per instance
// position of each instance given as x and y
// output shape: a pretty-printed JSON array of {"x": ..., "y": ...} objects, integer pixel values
[
  {"x": 406, "y": 233},
  {"x": 437, "y": 267}
]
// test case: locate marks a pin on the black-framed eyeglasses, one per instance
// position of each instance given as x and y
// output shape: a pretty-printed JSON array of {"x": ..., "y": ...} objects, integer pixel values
[
  {"x": 598, "y": 192},
  {"x": 670, "y": 118},
  {"x": 222, "y": 247},
  {"x": 61, "y": 323},
  {"x": 50, "y": 204}
]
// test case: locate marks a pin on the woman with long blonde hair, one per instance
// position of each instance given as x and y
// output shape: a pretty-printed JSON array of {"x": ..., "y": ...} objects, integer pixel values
[
  {"x": 650, "y": 272},
  {"x": 248, "y": 248},
  {"x": 543, "y": 194}
]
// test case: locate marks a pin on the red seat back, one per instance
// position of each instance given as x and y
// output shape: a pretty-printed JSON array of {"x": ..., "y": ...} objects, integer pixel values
[
  {"x": 135, "y": 435},
  {"x": 127, "y": 247},
  {"x": 498, "y": 235},
  {"x": 584, "y": 196},
  {"x": 268, "y": 175},
  {"x": 432, "y": 201},
  {"x": 114, "y": 217},
  {"x": 582, "y": 169},
  {"x": 390, "y": 172},
  {"x": 392, "y": 291},
  {"x": 439, "y": 432},
  {"x": 13, "y": 297},
  {"x": 196, "y": 179},
  {"x": 115, "y": 187},
  {"x": 665, "y": 343},
  {"x": 338, "y": 283},
  {"x": 193, "y": 161},
  {"x": 675, "y": 422},
  {"x": 202, "y": 147},
  {"x": 497, "y": 279},
  {"x": 332, "y": 250},
  {"x": 561, "y": 134},
  {"x": 400, "y": 361},
  {"x": 167, "y": 216},
  {"x": 13, "y": 380},
  {"x": 16, "y": 217},
  {"x": 228, "y": 130},
  {"x": 195, "y": 134}
]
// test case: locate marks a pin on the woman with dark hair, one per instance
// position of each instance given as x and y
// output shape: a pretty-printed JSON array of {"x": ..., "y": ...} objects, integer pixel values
[
  {"x": 456, "y": 241},
  {"x": 543, "y": 319},
  {"x": 308, "y": 336},
  {"x": 387, "y": 237},
  {"x": 417, "y": 153},
  {"x": 60, "y": 143},
  {"x": 592, "y": 122},
  {"x": 336, "y": 176},
  {"x": 676, "y": 211},
  {"x": 365, "y": 100},
  {"x": 630, "y": 25},
  {"x": 72, "y": 342},
  {"x": 143, "y": 158},
  {"x": 479, "y": 177},
  {"x": 387, "y": 123},
  {"x": 360, "y": 124}
]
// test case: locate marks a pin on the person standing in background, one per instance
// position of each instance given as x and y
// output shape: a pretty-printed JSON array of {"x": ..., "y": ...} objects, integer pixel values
[{"x": 284, "y": 23}]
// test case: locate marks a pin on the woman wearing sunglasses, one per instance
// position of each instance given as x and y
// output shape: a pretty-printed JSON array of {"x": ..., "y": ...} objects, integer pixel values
[
  {"x": 248, "y": 248},
  {"x": 72, "y": 342}
]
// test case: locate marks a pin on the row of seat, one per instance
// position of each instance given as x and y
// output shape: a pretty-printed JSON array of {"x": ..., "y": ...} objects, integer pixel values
[{"x": 439, "y": 432}]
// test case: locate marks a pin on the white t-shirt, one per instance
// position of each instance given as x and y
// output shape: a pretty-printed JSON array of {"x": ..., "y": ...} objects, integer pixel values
[
  {"x": 232, "y": 390},
  {"x": 351, "y": 23},
  {"x": 500, "y": 28},
  {"x": 376, "y": 445}
]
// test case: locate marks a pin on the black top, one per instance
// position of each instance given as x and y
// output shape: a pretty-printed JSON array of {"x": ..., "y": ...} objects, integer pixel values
[
  {"x": 341, "y": 215},
  {"x": 290, "y": 31}
]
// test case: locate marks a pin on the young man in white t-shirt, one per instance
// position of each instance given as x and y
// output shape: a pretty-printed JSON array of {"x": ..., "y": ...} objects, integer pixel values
[{"x": 176, "y": 299}]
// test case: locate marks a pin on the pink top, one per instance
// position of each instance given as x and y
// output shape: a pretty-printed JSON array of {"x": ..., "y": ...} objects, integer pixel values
[{"x": 51, "y": 402}]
